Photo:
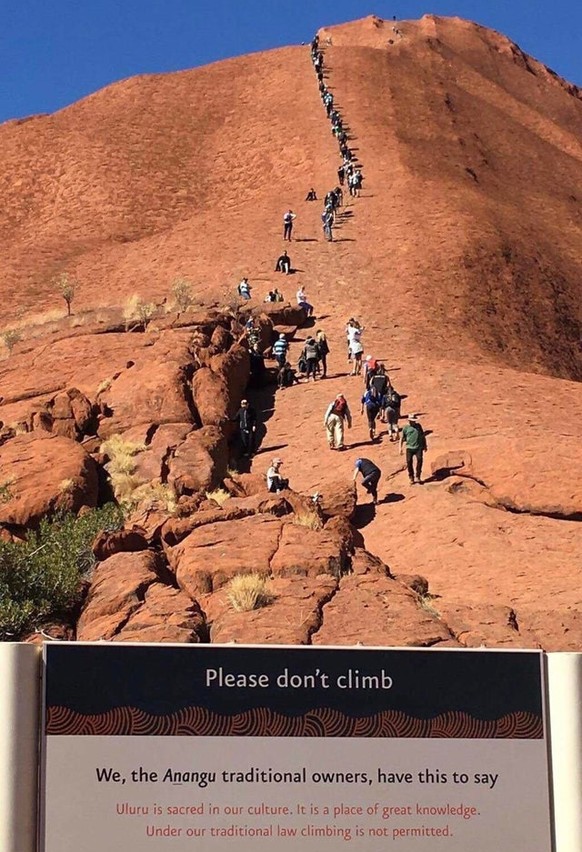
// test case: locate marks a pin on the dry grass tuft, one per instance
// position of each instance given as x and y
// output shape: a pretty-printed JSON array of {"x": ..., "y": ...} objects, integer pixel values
[
  {"x": 247, "y": 592},
  {"x": 311, "y": 520},
  {"x": 219, "y": 495},
  {"x": 121, "y": 466}
]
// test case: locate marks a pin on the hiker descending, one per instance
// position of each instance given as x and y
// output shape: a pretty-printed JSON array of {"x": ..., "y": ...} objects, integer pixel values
[
  {"x": 279, "y": 349},
  {"x": 310, "y": 355},
  {"x": 246, "y": 417},
  {"x": 371, "y": 474},
  {"x": 283, "y": 263},
  {"x": 303, "y": 303},
  {"x": 275, "y": 481},
  {"x": 414, "y": 438},
  {"x": 288, "y": 218},
  {"x": 244, "y": 289},
  {"x": 372, "y": 402},
  {"x": 286, "y": 376},
  {"x": 338, "y": 413},
  {"x": 391, "y": 412},
  {"x": 311, "y": 195},
  {"x": 355, "y": 348},
  {"x": 323, "y": 347}
]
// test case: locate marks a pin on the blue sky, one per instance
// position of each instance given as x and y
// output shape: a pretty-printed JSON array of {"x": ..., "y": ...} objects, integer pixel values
[{"x": 53, "y": 52}]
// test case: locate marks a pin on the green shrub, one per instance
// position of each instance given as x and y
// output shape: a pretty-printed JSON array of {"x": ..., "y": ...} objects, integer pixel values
[{"x": 40, "y": 578}]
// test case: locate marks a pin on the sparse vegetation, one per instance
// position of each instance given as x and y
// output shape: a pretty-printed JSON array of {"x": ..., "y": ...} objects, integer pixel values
[
  {"x": 11, "y": 337},
  {"x": 311, "y": 520},
  {"x": 130, "y": 489},
  {"x": 247, "y": 592},
  {"x": 155, "y": 495},
  {"x": 66, "y": 486},
  {"x": 6, "y": 491},
  {"x": 182, "y": 293},
  {"x": 66, "y": 286},
  {"x": 219, "y": 495},
  {"x": 135, "y": 310},
  {"x": 41, "y": 577},
  {"x": 104, "y": 386}
]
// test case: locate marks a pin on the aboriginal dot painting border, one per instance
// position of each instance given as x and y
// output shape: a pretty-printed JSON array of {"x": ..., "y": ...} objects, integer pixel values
[{"x": 264, "y": 722}]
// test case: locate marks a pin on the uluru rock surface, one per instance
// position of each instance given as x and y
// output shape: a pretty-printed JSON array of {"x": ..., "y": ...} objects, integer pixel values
[{"x": 461, "y": 259}]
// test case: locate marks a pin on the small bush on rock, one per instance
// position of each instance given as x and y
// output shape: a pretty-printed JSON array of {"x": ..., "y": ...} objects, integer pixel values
[
  {"x": 41, "y": 577},
  {"x": 219, "y": 495},
  {"x": 247, "y": 592},
  {"x": 311, "y": 520}
]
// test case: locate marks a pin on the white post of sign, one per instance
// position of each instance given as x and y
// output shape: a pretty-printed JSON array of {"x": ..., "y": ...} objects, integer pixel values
[
  {"x": 565, "y": 712},
  {"x": 19, "y": 745}
]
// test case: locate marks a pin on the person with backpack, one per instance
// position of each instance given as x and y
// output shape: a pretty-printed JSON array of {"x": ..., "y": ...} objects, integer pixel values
[
  {"x": 370, "y": 368},
  {"x": 414, "y": 438},
  {"x": 246, "y": 417},
  {"x": 279, "y": 349},
  {"x": 283, "y": 263},
  {"x": 379, "y": 379},
  {"x": 310, "y": 354},
  {"x": 288, "y": 224},
  {"x": 244, "y": 289},
  {"x": 356, "y": 350},
  {"x": 338, "y": 413},
  {"x": 372, "y": 402},
  {"x": 371, "y": 474},
  {"x": 323, "y": 347},
  {"x": 391, "y": 412}
]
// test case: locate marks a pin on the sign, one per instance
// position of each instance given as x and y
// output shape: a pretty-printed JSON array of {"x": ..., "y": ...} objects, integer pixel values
[{"x": 259, "y": 748}]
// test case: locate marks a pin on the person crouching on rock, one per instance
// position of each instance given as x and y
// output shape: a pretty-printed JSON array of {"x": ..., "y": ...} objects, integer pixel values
[
  {"x": 275, "y": 481},
  {"x": 283, "y": 263},
  {"x": 371, "y": 474}
]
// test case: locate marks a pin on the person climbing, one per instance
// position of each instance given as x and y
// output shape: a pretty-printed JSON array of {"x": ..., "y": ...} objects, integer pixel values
[
  {"x": 288, "y": 218},
  {"x": 327, "y": 224},
  {"x": 379, "y": 379},
  {"x": 279, "y": 349},
  {"x": 356, "y": 350},
  {"x": 303, "y": 303},
  {"x": 311, "y": 195},
  {"x": 310, "y": 354},
  {"x": 257, "y": 365},
  {"x": 391, "y": 412},
  {"x": 414, "y": 438},
  {"x": 341, "y": 175},
  {"x": 286, "y": 376},
  {"x": 371, "y": 474},
  {"x": 275, "y": 481},
  {"x": 283, "y": 263},
  {"x": 323, "y": 347},
  {"x": 372, "y": 402},
  {"x": 338, "y": 413},
  {"x": 339, "y": 194},
  {"x": 247, "y": 426},
  {"x": 244, "y": 289},
  {"x": 370, "y": 368}
]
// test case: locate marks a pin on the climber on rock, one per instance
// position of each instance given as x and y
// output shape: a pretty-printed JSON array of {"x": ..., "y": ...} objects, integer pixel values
[
  {"x": 283, "y": 263},
  {"x": 371, "y": 474},
  {"x": 337, "y": 414},
  {"x": 275, "y": 481},
  {"x": 415, "y": 440}
]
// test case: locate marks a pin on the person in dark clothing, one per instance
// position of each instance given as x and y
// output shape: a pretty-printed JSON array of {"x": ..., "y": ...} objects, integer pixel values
[
  {"x": 391, "y": 411},
  {"x": 341, "y": 175},
  {"x": 257, "y": 366},
  {"x": 414, "y": 438},
  {"x": 371, "y": 474},
  {"x": 311, "y": 356},
  {"x": 372, "y": 402},
  {"x": 288, "y": 218},
  {"x": 286, "y": 376},
  {"x": 247, "y": 425},
  {"x": 311, "y": 195},
  {"x": 283, "y": 263}
]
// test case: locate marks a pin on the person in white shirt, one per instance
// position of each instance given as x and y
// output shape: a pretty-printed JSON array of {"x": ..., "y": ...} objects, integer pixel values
[{"x": 303, "y": 303}]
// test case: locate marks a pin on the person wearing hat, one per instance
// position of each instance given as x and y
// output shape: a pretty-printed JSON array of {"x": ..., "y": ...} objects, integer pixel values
[
  {"x": 414, "y": 438},
  {"x": 371, "y": 474},
  {"x": 275, "y": 481},
  {"x": 247, "y": 425},
  {"x": 337, "y": 413}
]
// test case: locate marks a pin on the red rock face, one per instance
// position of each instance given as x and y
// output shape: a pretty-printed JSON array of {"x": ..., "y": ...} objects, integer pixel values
[{"x": 461, "y": 260}]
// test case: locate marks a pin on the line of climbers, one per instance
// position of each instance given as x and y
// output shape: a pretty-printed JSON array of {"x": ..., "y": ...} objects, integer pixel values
[{"x": 380, "y": 401}]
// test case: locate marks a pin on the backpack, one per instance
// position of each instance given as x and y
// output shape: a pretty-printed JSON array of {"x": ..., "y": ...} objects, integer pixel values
[
  {"x": 339, "y": 407},
  {"x": 378, "y": 381},
  {"x": 311, "y": 351}
]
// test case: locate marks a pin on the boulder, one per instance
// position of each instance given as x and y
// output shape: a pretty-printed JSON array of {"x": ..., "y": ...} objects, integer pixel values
[
  {"x": 292, "y": 616},
  {"x": 372, "y": 609},
  {"x": 308, "y": 553},
  {"x": 214, "y": 553},
  {"x": 166, "y": 615},
  {"x": 199, "y": 463},
  {"x": 211, "y": 398},
  {"x": 338, "y": 498},
  {"x": 484, "y": 625},
  {"x": 117, "y": 590},
  {"x": 107, "y": 544},
  {"x": 43, "y": 474},
  {"x": 175, "y": 530}
]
